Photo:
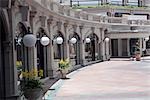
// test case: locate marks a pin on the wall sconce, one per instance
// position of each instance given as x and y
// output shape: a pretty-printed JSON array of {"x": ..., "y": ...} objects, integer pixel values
[
  {"x": 58, "y": 40},
  {"x": 87, "y": 40},
  {"x": 106, "y": 39},
  {"x": 73, "y": 40},
  {"x": 146, "y": 39},
  {"x": 29, "y": 39},
  {"x": 44, "y": 41}
]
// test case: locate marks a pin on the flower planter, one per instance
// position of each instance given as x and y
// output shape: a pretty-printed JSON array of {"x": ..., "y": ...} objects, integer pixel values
[
  {"x": 138, "y": 57},
  {"x": 33, "y": 94}
]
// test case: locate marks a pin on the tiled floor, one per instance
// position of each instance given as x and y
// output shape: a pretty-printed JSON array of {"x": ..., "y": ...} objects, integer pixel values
[{"x": 110, "y": 80}]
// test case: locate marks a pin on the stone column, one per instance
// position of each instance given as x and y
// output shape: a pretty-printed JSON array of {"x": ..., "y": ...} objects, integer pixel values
[
  {"x": 107, "y": 49},
  {"x": 128, "y": 47},
  {"x": 119, "y": 47},
  {"x": 66, "y": 44},
  {"x": 8, "y": 57},
  {"x": 103, "y": 46},
  {"x": 33, "y": 26},
  {"x": 141, "y": 43},
  {"x": 144, "y": 44},
  {"x": 30, "y": 58},
  {"x": 50, "y": 52},
  {"x": 82, "y": 46}
]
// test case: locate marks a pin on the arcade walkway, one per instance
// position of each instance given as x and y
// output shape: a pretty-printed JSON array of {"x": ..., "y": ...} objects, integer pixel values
[{"x": 110, "y": 80}]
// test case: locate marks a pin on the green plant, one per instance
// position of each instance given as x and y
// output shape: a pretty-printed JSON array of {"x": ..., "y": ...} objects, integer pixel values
[
  {"x": 63, "y": 64},
  {"x": 19, "y": 65},
  {"x": 31, "y": 79}
]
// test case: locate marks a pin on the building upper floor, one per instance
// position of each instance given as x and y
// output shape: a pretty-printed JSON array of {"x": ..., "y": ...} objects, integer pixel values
[{"x": 74, "y": 16}]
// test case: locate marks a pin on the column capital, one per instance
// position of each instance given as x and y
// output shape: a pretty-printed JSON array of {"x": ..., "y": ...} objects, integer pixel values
[
  {"x": 24, "y": 12},
  {"x": 33, "y": 13},
  {"x": 81, "y": 27},
  {"x": 42, "y": 19},
  {"x": 66, "y": 24},
  {"x": 50, "y": 20}
]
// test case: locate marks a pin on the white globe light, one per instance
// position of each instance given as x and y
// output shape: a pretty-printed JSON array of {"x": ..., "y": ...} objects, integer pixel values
[
  {"x": 45, "y": 41},
  {"x": 59, "y": 40},
  {"x": 107, "y": 39},
  {"x": 29, "y": 40},
  {"x": 147, "y": 38},
  {"x": 73, "y": 40},
  {"x": 88, "y": 40}
]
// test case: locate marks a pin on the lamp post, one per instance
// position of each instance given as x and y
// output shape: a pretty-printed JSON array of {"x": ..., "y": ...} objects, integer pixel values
[{"x": 70, "y": 3}]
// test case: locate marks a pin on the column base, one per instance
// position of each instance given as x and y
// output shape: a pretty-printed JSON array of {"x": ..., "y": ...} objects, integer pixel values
[{"x": 13, "y": 97}]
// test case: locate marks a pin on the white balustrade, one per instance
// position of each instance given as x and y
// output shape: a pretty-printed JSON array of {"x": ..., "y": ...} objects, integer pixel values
[
  {"x": 64, "y": 10},
  {"x": 72, "y": 13},
  {"x": 90, "y": 17}
]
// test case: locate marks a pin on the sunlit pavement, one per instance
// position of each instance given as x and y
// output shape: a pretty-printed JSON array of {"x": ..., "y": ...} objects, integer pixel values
[{"x": 110, "y": 80}]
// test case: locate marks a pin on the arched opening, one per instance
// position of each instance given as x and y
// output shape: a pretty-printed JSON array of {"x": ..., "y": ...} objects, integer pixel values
[
  {"x": 2, "y": 65},
  {"x": 20, "y": 31},
  {"x": 42, "y": 53},
  {"x": 91, "y": 48},
  {"x": 74, "y": 49},
  {"x": 58, "y": 47},
  {"x": 134, "y": 46}
]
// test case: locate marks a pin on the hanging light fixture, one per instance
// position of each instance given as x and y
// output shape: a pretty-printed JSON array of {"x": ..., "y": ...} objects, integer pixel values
[
  {"x": 73, "y": 40},
  {"x": 59, "y": 40},
  {"x": 147, "y": 38},
  {"x": 29, "y": 40},
  {"x": 87, "y": 40},
  {"x": 45, "y": 41},
  {"x": 107, "y": 39}
]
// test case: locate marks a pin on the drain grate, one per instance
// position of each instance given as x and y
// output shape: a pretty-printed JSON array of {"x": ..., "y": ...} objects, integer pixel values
[{"x": 51, "y": 89}]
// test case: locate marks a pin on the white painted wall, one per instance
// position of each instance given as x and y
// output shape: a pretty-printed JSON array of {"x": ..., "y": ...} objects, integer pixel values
[{"x": 135, "y": 17}]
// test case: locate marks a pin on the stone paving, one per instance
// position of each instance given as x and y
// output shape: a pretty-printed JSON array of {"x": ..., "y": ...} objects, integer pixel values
[{"x": 110, "y": 80}]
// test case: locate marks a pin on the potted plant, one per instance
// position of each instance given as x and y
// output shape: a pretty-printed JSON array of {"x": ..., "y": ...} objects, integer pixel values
[
  {"x": 31, "y": 84},
  {"x": 137, "y": 53},
  {"x": 63, "y": 66},
  {"x": 19, "y": 68},
  {"x": 137, "y": 56}
]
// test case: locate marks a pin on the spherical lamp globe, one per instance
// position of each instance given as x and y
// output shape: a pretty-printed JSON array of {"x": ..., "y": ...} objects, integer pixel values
[
  {"x": 73, "y": 40},
  {"x": 87, "y": 40},
  {"x": 107, "y": 39},
  {"x": 59, "y": 40},
  {"x": 29, "y": 40},
  {"x": 147, "y": 38},
  {"x": 45, "y": 41}
]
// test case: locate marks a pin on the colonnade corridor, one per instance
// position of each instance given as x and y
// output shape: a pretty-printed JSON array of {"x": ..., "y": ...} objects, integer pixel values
[{"x": 110, "y": 80}]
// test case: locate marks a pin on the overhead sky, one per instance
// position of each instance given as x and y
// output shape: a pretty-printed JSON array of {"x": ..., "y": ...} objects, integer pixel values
[{"x": 92, "y": 2}]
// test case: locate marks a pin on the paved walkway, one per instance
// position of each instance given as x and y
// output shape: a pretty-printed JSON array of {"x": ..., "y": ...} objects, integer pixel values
[{"x": 110, "y": 80}]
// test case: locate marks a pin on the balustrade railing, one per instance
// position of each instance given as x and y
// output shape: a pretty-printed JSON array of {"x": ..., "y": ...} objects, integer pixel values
[{"x": 64, "y": 10}]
